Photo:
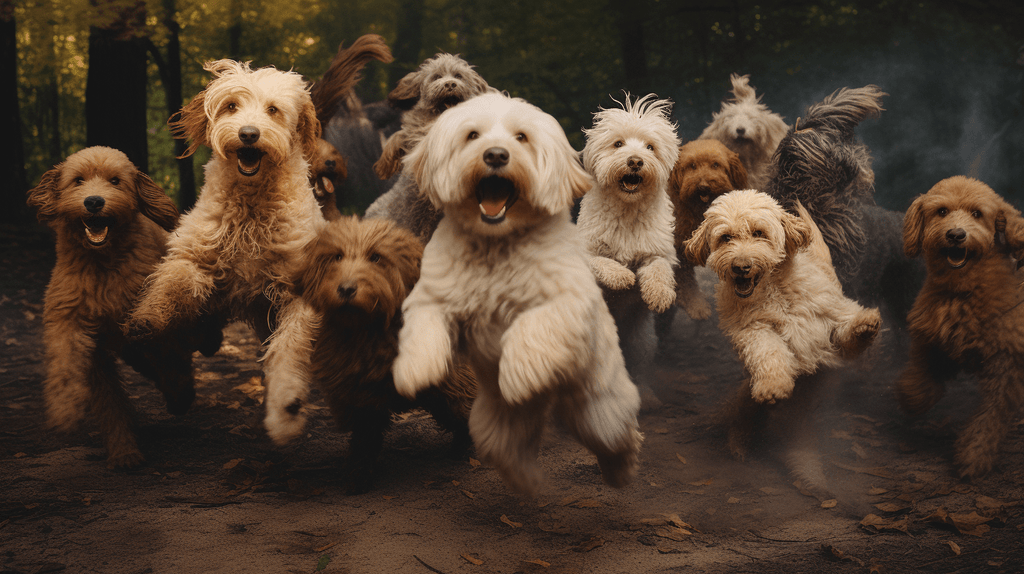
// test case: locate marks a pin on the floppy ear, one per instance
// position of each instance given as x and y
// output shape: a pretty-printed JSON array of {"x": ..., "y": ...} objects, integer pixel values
[
  {"x": 43, "y": 198},
  {"x": 391, "y": 158},
  {"x": 1011, "y": 225},
  {"x": 697, "y": 247},
  {"x": 407, "y": 92},
  {"x": 675, "y": 178},
  {"x": 191, "y": 123},
  {"x": 797, "y": 232},
  {"x": 154, "y": 203},
  {"x": 913, "y": 228},
  {"x": 578, "y": 181},
  {"x": 737, "y": 173},
  {"x": 308, "y": 130}
]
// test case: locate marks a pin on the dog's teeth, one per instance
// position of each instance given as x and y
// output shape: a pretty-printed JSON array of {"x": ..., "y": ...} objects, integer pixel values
[
  {"x": 501, "y": 212},
  {"x": 96, "y": 236},
  {"x": 328, "y": 186}
]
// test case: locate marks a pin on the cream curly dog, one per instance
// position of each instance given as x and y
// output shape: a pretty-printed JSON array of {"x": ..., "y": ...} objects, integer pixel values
[
  {"x": 749, "y": 128},
  {"x": 968, "y": 316},
  {"x": 257, "y": 210},
  {"x": 505, "y": 282},
  {"x": 626, "y": 221}
]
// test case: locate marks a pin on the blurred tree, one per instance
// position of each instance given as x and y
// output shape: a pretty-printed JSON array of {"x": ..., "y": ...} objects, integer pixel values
[{"x": 12, "y": 154}]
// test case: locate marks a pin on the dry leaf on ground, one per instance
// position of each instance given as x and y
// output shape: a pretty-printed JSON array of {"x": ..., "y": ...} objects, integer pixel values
[
  {"x": 511, "y": 522},
  {"x": 471, "y": 559}
]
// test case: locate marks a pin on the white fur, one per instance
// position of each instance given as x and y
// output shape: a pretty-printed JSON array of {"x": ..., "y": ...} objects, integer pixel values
[{"x": 517, "y": 297}]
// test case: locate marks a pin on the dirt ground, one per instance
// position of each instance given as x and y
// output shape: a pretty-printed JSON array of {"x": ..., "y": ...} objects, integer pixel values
[{"x": 216, "y": 496}]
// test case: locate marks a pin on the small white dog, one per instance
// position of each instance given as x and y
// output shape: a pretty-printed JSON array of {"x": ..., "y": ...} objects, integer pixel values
[
  {"x": 749, "y": 128},
  {"x": 231, "y": 254},
  {"x": 505, "y": 281},
  {"x": 626, "y": 221}
]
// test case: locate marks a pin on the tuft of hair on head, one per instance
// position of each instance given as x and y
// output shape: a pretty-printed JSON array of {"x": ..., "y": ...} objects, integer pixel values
[{"x": 741, "y": 88}]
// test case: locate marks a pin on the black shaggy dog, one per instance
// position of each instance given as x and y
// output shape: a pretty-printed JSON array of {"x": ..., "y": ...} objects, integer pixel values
[
  {"x": 356, "y": 275},
  {"x": 821, "y": 164}
]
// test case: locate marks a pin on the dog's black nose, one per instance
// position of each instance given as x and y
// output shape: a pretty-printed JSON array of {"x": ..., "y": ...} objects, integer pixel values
[
  {"x": 451, "y": 85},
  {"x": 496, "y": 157},
  {"x": 956, "y": 235},
  {"x": 634, "y": 163},
  {"x": 347, "y": 291},
  {"x": 741, "y": 131},
  {"x": 329, "y": 163},
  {"x": 249, "y": 134},
  {"x": 94, "y": 203},
  {"x": 741, "y": 268}
]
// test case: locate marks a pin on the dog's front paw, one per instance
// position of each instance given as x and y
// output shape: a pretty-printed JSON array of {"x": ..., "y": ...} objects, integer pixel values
[
  {"x": 657, "y": 285},
  {"x": 696, "y": 306},
  {"x": 140, "y": 326},
  {"x": 125, "y": 455},
  {"x": 861, "y": 333},
  {"x": 768, "y": 390},
  {"x": 612, "y": 274},
  {"x": 285, "y": 424}
]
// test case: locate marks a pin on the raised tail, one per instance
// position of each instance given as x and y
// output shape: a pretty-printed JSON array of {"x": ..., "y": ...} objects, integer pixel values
[
  {"x": 330, "y": 91},
  {"x": 839, "y": 113}
]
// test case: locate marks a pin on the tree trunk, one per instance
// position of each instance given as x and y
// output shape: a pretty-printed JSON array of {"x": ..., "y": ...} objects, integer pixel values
[
  {"x": 115, "y": 89},
  {"x": 12, "y": 153},
  {"x": 408, "y": 40},
  {"x": 634, "y": 53},
  {"x": 170, "y": 73}
]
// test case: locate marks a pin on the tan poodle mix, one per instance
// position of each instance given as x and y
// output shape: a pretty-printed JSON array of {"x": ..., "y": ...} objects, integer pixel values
[
  {"x": 232, "y": 253},
  {"x": 505, "y": 285},
  {"x": 968, "y": 315},
  {"x": 780, "y": 304},
  {"x": 111, "y": 223},
  {"x": 704, "y": 170},
  {"x": 356, "y": 276}
]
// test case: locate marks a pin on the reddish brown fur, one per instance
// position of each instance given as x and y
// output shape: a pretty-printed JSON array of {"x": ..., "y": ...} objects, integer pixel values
[
  {"x": 969, "y": 318},
  {"x": 94, "y": 286},
  {"x": 704, "y": 170},
  {"x": 356, "y": 275},
  {"x": 327, "y": 169}
]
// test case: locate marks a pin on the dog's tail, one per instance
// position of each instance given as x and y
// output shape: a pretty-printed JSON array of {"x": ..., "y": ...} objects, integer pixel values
[
  {"x": 841, "y": 112},
  {"x": 330, "y": 91},
  {"x": 817, "y": 247}
]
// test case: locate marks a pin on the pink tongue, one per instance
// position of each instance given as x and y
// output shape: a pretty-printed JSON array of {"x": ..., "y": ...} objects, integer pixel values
[
  {"x": 327, "y": 184},
  {"x": 492, "y": 207}
]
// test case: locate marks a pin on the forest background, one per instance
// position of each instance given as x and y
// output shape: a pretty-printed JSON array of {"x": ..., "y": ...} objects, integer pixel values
[{"x": 75, "y": 73}]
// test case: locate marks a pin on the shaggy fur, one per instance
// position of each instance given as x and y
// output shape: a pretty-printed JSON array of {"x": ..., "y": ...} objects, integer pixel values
[
  {"x": 232, "y": 253},
  {"x": 356, "y": 131},
  {"x": 111, "y": 223},
  {"x": 704, "y": 170},
  {"x": 326, "y": 171},
  {"x": 779, "y": 302},
  {"x": 821, "y": 165},
  {"x": 356, "y": 276},
  {"x": 626, "y": 222},
  {"x": 505, "y": 282},
  {"x": 438, "y": 84},
  {"x": 749, "y": 128},
  {"x": 969, "y": 315}
]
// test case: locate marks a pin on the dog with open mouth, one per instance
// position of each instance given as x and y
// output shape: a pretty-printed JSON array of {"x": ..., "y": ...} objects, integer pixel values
[
  {"x": 231, "y": 254},
  {"x": 969, "y": 314},
  {"x": 627, "y": 225},
  {"x": 505, "y": 284},
  {"x": 111, "y": 223},
  {"x": 327, "y": 169}
]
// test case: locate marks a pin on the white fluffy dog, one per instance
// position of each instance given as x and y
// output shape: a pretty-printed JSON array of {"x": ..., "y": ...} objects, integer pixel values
[
  {"x": 231, "y": 254},
  {"x": 505, "y": 281},
  {"x": 749, "y": 128},
  {"x": 627, "y": 222}
]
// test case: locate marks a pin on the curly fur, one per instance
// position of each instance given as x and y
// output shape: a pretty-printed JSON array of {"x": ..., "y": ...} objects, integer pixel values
[
  {"x": 327, "y": 169},
  {"x": 111, "y": 223},
  {"x": 505, "y": 281},
  {"x": 356, "y": 276},
  {"x": 749, "y": 128},
  {"x": 968, "y": 315},
  {"x": 232, "y": 253},
  {"x": 779, "y": 300},
  {"x": 626, "y": 221}
]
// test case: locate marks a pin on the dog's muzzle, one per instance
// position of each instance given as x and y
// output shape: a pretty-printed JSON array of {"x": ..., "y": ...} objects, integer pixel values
[
  {"x": 743, "y": 282},
  {"x": 249, "y": 160},
  {"x": 957, "y": 256},
  {"x": 495, "y": 195}
]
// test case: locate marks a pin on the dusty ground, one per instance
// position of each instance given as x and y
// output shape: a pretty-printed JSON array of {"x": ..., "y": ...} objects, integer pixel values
[{"x": 216, "y": 496}]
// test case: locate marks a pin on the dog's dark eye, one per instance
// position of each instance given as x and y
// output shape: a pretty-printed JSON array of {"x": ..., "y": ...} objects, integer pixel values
[
  {"x": 693, "y": 166},
  {"x": 758, "y": 233},
  {"x": 714, "y": 165},
  {"x": 725, "y": 238},
  {"x": 473, "y": 135},
  {"x": 976, "y": 214},
  {"x": 375, "y": 258},
  {"x": 339, "y": 256},
  {"x": 272, "y": 110},
  {"x": 458, "y": 76},
  {"x": 942, "y": 212},
  {"x": 619, "y": 143},
  {"x": 650, "y": 147},
  {"x": 79, "y": 180},
  {"x": 232, "y": 106},
  {"x": 521, "y": 137},
  {"x": 115, "y": 180},
  {"x": 435, "y": 77}
]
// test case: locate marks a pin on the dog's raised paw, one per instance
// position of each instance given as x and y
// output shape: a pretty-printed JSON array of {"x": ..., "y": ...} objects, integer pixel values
[
  {"x": 765, "y": 392},
  {"x": 697, "y": 308},
  {"x": 612, "y": 274}
]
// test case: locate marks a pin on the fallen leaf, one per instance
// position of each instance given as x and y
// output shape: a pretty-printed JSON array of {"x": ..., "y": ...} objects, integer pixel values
[
  {"x": 510, "y": 522},
  {"x": 471, "y": 559},
  {"x": 665, "y": 550},
  {"x": 20, "y": 455},
  {"x": 770, "y": 490},
  {"x": 859, "y": 451},
  {"x": 954, "y": 547},
  {"x": 325, "y": 547},
  {"x": 836, "y": 555},
  {"x": 388, "y": 496},
  {"x": 879, "y": 524},
  {"x": 588, "y": 503},
  {"x": 674, "y": 520},
  {"x": 232, "y": 463},
  {"x": 681, "y": 458},
  {"x": 732, "y": 500},
  {"x": 467, "y": 493},
  {"x": 538, "y": 562},
  {"x": 705, "y": 482},
  {"x": 673, "y": 533},
  {"x": 594, "y": 542},
  {"x": 567, "y": 501},
  {"x": 661, "y": 430},
  {"x": 831, "y": 503},
  {"x": 891, "y": 507},
  {"x": 474, "y": 462},
  {"x": 972, "y": 524},
  {"x": 555, "y": 527},
  {"x": 984, "y": 503},
  {"x": 875, "y": 491}
]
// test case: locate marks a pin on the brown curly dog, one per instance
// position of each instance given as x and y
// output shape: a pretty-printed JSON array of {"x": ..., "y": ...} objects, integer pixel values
[
  {"x": 327, "y": 169},
  {"x": 968, "y": 315},
  {"x": 111, "y": 223},
  {"x": 356, "y": 275}
]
